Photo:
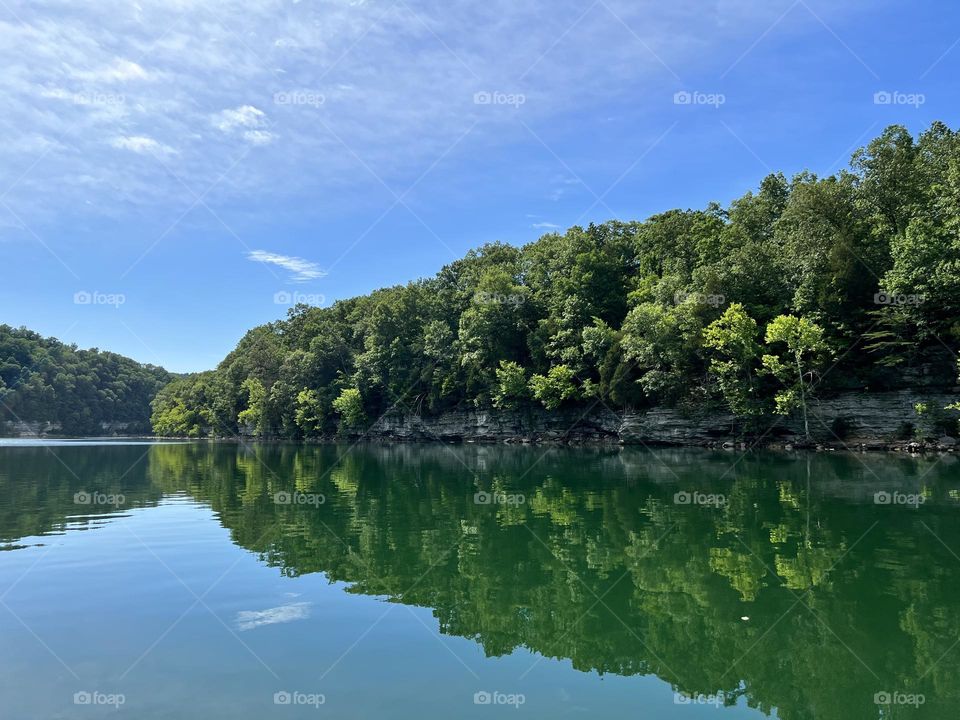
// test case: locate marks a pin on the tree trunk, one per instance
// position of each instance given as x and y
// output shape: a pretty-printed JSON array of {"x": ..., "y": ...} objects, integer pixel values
[{"x": 803, "y": 399}]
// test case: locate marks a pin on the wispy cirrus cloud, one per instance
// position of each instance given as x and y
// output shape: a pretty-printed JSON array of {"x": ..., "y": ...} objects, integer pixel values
[
  {"x": 545, "y": 226},
  {"x": 120, "y": 70},
  {"x": 300, "y": 270},
  {"x": 142, "y": 144},
  {"x": 272, "y": 98},
  {"x": 248, "y": 121}
]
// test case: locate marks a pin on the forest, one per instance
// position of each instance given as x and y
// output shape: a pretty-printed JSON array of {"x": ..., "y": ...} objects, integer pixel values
[
  {"x": 807, "y": 285},
  {"x": 42, "y": 380}
]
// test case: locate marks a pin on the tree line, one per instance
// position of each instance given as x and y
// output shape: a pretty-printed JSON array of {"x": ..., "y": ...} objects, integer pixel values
[
  {"x": 44, "y": 380},
  {"x": 806, "y": 285}
]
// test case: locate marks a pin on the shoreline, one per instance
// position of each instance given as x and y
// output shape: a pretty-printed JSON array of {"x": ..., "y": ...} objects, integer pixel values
[
  {"x": 849, "y": 421},
  {"x": 912, "y": 447}
]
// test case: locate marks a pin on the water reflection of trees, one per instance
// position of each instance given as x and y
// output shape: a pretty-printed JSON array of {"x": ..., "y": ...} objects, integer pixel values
[
  {"x": 38, "y": 484},
  {"x": 844, "y": 598}
]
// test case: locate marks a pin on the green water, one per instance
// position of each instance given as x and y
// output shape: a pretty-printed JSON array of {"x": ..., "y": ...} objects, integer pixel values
[{"x": 197, "y": 580}]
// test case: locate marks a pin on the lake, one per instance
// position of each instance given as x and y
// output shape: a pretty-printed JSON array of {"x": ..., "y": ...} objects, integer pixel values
[{"x": 202, "y": 580}]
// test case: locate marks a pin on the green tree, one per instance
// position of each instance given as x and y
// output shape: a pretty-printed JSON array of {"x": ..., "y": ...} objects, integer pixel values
[
  {"x": 663, "y": 343},
  {"x": 310, "y": 415},
  {"x": 254, "y": 414},
  {"x": 733, "y": 337},
  {"x": 796, "y": 367},
  {"x": 511, "y": 388},
  {"x": 349, "y": 404},
  {"x": 554, "y": 387},
  {"x": 924, "y": 281}
]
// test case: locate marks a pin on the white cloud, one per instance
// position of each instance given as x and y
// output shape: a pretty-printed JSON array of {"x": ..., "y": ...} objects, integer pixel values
[
  {"x": 545, "y": 226},
  {"x": 246, "y": 120},
  {"x": 301, "y": 270},
  {"x": 252, "y": 619},
  {"x": 119, "y": 71},
  {"x": 142, "y": 144},
  {"x": 562, "y": 186},
  {"x": 258, "y": 137},
  {"x": 245, "y": 116},
  {"x": 33, "y": 143},
  {"x": 169, "y": 69},
  {"x": 57, "y": 93}
]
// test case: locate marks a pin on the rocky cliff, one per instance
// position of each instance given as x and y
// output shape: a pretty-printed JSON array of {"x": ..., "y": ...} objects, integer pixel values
[
  {"x": 25, "y": 429},
  {"x": 851, "y": 419}
]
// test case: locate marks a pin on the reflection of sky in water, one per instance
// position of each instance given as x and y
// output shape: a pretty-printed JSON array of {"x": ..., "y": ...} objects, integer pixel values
[
  {"x": 252, "y": 619},
  {"x": 402, "y": 583}
]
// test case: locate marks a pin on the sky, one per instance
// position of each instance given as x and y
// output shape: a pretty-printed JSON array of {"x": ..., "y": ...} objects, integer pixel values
[{"x": 176, "y": 172}]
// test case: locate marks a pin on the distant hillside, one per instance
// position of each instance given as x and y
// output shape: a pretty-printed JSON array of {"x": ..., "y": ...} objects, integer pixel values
[{"x": 72, "y": 391}]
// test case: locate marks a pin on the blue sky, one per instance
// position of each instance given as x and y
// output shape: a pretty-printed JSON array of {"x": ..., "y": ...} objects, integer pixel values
[{"x": 172, "y": 173}]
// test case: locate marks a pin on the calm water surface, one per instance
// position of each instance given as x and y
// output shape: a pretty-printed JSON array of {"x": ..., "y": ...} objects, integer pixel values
[{"x": 216, "y": 581}]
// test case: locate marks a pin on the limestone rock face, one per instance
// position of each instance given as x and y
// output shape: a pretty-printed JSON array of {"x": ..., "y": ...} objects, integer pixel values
[
  {"x": 849, "y": 419},
  {"x": 37, "y": 429},
  {"x": 854, "y": 420},
  {"x": 26, "y": 429},
  {"x": 503, "y": 426}
]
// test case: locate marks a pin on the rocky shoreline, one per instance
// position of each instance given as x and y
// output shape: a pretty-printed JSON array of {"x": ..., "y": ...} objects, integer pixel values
[
  {"x": 852, "y": 421},
  {"x": 847, "y": 421}
]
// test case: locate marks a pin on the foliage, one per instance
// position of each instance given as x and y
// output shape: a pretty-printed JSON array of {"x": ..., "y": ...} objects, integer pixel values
[
  {"x": 554, "y": 387},
  {"x": 182, "y": 408},
  {"x": 310, "y": 413},
  {"x": 733, "y": 337},
  {"x": 796, "y": 368},
  {"x": 44, "y": 380},
  {"x": 350, "y": 406},
  {"x": 668, "y": 311},
  {"x": 256, "y": 405},
  {"x": 511, "y": 385}
]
